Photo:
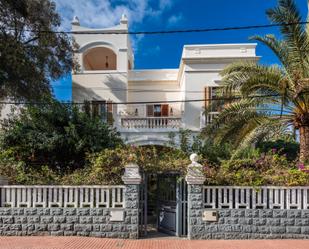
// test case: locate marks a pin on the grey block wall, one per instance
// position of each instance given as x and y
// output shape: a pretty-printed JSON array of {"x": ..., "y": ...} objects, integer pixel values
[
  {"x": 67, "y": 222},
  {"x": 132, "y": 203},
  {"x": 72, "y": 221},
  {"x": 245, "y": 223}
]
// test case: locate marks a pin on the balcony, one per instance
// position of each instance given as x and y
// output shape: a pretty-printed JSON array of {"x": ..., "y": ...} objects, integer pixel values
[
  {"x": 150, "y": 123},
  {"x": 205, "y": 120}
]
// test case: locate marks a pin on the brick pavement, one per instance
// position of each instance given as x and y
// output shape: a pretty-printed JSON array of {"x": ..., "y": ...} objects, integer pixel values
[{"x": 97, "y": 243}]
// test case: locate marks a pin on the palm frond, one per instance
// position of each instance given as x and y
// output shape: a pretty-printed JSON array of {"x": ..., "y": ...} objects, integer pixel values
[
  {"x": 281, "y": 50},
  {"x": 270, "y": 130},
  {"x": 294, "y": 35},
  {"x": 236, "y": 122},
  {"x": 250, "y": 78},
  {"x": 238, "y": 112}
]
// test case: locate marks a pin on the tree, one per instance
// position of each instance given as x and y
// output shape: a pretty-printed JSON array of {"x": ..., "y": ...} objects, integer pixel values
[
  {"x": 57, "y": 135},
  {"x": 31, "y": 53},
  {"x": 285, "y": 102}
]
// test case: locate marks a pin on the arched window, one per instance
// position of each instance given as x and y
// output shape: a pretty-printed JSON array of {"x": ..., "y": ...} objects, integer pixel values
[{"x": 100, "y": 58}]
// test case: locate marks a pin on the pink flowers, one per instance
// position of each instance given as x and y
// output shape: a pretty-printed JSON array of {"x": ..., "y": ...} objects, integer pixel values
[{"x": 303, "y": 168}]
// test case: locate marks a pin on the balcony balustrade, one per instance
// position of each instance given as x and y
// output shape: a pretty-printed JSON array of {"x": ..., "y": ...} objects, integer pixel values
[{"x": 167, "y": 123}]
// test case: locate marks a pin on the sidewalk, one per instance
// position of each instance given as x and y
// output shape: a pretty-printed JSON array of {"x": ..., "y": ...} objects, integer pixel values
[{"x": 97, "y": 243}]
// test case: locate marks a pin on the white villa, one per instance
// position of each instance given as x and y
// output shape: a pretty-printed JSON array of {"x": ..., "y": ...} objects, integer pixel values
[{"x": 107, "y": 77}]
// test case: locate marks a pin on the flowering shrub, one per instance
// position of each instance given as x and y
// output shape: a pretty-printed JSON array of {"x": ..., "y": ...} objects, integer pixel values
[
  {"x": 107, "y": 166},
  {"x": 269, "y": 169},
  {"x": 18, "y": 173}
]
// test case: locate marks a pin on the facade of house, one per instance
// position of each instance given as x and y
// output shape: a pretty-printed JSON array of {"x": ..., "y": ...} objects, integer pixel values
[{"x": 118, "y": 92}]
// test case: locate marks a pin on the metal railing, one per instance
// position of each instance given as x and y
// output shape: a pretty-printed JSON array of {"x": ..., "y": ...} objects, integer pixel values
[
  {"x": 266, "y": 197},
  {"x": 62, "y": 196}
]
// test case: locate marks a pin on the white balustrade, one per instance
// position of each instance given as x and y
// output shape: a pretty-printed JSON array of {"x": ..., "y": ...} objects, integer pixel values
[
  {"x": 210, "y": 116},
  {"x": 150, "y": 123},
  {"x": 62, "y": 196},
  {"x": 207, "y": 119},
  {"x": 256, "y": 198}
]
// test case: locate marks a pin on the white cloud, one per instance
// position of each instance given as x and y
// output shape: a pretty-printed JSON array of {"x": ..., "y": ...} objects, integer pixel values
[
  {"x": 175, "y": 19},
  {"x": 102, "y": 13},
  {"x": 135, "y": 40},
  {"x": 165, "y": 4}
]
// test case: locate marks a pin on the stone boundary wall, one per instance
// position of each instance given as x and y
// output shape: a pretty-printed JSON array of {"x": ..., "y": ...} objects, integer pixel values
[
  {"x": 67, "y": 222},
  {"x": 74, "y": 221},
  {"x": 245, "y": 223}
]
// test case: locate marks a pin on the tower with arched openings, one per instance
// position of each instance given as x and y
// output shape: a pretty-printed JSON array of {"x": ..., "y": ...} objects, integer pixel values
[{"x": 104, "y": 57}]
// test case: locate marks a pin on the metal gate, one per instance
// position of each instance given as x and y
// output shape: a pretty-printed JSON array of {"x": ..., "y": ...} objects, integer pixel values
[
  {"x": 143, "y": 207},
  {"x": 171, "y": 197},
  {"x": 167, "y": 203},
  {"x": 182, "y": 208}
]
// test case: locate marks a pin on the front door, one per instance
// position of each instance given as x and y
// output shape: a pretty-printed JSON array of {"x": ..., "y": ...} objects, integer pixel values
[{"x": 167, "y": 204}]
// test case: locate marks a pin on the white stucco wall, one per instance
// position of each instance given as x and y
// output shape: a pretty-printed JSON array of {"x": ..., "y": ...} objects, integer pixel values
[
  {"x": 154, "y": 85},
  {"x": 102, "y": 84},
  {"x": 200, "y": 66}
]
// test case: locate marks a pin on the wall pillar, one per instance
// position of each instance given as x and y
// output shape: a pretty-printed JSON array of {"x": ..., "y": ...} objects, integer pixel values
[
  {"x": 132, "y": 180},
  {"x": 195, "y": 179}
]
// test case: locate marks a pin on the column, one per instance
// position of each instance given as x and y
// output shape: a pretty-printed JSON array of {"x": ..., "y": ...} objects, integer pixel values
[
  {"x": 195, "y": 179},
  {"x": 132, "y": 180}
]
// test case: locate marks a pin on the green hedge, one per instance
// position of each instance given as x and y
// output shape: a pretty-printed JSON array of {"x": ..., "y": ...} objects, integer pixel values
[{"x": 107, "y": 166}]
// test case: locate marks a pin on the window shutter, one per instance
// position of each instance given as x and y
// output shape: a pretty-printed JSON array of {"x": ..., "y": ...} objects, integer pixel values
[
  {"x": 150, "y": 110},
  {"x": 207, "y": 97},
  {"x": 87, "y": 107},
  {"x": 95, "y": 108},
  {"x": 164, "y": 110},
  {"x": 110, "y": 112},
  {"x": 109, "y": 106}
]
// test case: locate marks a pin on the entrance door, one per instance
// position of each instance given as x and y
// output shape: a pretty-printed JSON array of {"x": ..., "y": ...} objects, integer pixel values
[{"x": 167, "y": 204}]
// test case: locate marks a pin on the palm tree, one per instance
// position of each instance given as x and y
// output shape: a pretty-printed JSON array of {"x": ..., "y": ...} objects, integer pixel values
[{"x": 247, "y": 117}]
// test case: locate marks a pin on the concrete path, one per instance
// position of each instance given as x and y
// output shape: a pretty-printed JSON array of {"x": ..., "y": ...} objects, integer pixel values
[{"x": 97, "y": 243}]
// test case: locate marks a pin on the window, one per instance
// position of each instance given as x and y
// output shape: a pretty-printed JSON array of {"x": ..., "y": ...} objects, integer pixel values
[
  {"x": 211, "y": 93},
  {"x": 157, "y": 110},
  {"x": 103, "y": 109}
]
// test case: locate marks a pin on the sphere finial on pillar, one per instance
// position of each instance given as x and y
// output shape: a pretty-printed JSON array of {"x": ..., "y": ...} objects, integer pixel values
[
  {"x": 195, "y": 174},
  {"x": 194, "y": 158}
]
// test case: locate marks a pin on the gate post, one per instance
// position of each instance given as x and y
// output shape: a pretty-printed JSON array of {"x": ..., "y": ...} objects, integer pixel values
[
  {"x": 195, "y": 180},
  {"x": 132, "y": 179}
]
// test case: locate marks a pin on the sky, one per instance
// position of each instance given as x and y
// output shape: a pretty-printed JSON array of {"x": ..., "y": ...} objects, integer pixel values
[{"x": 164, "y": 51}]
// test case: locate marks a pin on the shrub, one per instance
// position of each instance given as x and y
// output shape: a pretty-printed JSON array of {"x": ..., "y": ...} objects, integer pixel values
[
  {"x": 18, "y": 173},
  {"x": 57, "y": 135},
  {"x": 270, "y": 169},
  {"x": 288, "y": 148}
]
